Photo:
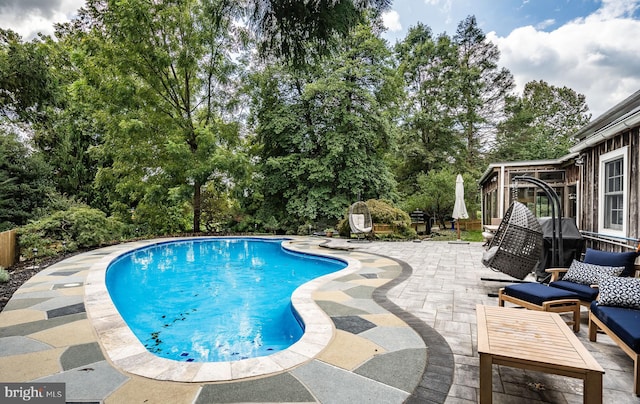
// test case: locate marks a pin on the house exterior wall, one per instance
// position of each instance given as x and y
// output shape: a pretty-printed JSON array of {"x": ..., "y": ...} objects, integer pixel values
[
  {"x": 499, "y": 189},
  {"x": 590, "y": 186},
  {"x": 607, "y": 138}
]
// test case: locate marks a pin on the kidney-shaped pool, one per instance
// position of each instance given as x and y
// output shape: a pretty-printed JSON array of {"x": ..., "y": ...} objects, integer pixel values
[{"x": 213, "y": 300}]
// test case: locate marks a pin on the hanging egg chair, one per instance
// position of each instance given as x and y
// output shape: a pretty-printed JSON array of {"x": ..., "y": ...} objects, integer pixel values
[
  {"x": 360, "y": 219},
  {"x": 517, "y": 245}
]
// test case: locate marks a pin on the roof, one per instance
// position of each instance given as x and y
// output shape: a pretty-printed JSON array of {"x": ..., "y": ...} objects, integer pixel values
[
  {"x": 625, "y": 114},
  {"x": 536, "y": 163}
]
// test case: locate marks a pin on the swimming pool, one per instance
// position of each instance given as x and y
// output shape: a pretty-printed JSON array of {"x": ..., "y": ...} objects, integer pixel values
[{"x": 213, "y": 300}]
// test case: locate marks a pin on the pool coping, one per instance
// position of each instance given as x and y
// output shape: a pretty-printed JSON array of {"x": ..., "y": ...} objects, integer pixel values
[{"x": 127, "y": 353}]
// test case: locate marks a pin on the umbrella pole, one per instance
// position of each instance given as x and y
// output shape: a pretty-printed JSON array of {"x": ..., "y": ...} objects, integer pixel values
[{"x": 458, "y": 241}]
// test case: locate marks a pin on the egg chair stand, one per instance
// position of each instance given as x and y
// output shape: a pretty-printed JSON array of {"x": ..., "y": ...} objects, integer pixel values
[{"x": 516, "y": 248}]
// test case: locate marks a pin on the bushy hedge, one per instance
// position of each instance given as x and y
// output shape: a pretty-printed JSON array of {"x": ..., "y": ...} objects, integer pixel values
[
  {"x": 69, "y": 230},
  {"x": 383, "y": 212}
]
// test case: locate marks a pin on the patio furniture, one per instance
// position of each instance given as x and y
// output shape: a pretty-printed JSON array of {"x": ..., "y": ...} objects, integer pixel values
[
  {"x": 577, "y": 287},
  {"x": 597, "y": 263},
  {"x": 535, "y": 296},
  {"x": 533, "y": 340},
  {"x": 517, "y": 244},
  {"x": 617, "y": 314},
  {"x": 360, "y": 219},
  {"x": 488, "y": 233}
]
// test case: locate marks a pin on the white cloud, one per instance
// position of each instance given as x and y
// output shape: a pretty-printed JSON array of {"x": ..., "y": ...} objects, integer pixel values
[
  {"x": 444, "y": 6},
  {"x": 615, "y": 9},
  {"x": 391, "y": 21},
  {"x": 546, "y": 23},
  {"x": 597, "y": 56},
  {"x": 28, "y": 18}
]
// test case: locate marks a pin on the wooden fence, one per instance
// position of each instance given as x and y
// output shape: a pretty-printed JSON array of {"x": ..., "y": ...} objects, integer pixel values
[
  {"x": 8, "y": 248},
  {"x": 468, "y": 224}
]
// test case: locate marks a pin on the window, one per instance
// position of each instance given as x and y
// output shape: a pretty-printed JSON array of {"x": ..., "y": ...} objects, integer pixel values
[
  {"x": 613, "y": 189},
  {"x": 514, "y": 174},
  {"x": 551, "y": 176}
]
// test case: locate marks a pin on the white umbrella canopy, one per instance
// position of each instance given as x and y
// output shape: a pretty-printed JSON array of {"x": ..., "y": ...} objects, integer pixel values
[{"x": 459, "y": 208}]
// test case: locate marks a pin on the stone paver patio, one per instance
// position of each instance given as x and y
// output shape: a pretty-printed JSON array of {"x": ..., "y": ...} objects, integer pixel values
[{"x": 405, "y": 331}]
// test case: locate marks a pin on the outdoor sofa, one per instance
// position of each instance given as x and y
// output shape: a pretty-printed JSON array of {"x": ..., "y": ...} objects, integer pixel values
[
  {"x": 617, "y": 313},
  {"x": 570, "y": 287},
  {"x": 583, "y": 279},
  {"x": 613, "y": 299}
]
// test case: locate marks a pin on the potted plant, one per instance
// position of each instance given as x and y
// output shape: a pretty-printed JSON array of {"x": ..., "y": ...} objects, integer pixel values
[{"x": 329, "y": 232}]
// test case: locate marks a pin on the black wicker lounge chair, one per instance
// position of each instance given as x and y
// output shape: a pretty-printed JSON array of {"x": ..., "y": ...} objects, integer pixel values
[{"x": 517, "y": 244}]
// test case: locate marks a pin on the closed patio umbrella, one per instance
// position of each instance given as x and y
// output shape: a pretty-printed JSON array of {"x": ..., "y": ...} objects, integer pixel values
[{"x": 459, "y": 208}]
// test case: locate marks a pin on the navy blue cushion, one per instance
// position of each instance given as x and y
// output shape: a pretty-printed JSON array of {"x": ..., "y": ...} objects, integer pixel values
[
  {"x": 585, "y": 292},
  {"x": 624, "y": 322},
  {"x": 537, "y": 294},
  {"x": 612, "y": 259}
]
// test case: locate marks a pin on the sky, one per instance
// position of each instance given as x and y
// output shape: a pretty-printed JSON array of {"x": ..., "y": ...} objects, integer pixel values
[{"x": 590, "y": 46}]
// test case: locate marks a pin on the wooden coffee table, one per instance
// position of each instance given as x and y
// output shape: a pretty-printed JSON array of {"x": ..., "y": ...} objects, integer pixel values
[{"x": 534, "y": 340}]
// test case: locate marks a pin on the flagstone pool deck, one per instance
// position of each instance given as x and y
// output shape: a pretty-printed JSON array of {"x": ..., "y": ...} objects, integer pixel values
[{"x": 404, "y": 331}]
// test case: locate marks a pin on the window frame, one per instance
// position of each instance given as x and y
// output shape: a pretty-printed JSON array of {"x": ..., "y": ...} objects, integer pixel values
[{"x": 621, "y": 153}]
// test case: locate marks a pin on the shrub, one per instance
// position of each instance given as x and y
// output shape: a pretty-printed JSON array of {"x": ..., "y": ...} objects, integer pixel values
[
  {"x": 305, "y": 229},
  {"x": 155, "y": 219},
  {"x": 344, "y": 229},
  {"x": 4, "y": 275},
  {"x": 68, "y": 230},
  {"x": 383, "y": 212}
]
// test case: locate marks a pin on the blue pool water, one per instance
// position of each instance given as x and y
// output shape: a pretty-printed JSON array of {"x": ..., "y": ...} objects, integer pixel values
[{"x": 213, "y": 300}]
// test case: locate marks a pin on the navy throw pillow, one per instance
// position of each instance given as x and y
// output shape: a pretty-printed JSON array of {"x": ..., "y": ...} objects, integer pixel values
[
  {"x": 612, "y": 259},
  {"x": 621, "y": 292}
]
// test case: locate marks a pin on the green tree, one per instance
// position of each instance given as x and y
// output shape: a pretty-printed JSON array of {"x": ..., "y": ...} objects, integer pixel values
[
  {"x": 428, "y": 66},
  {"x": 436, "y": 194},
  {"x": 300, "y": 30},
  {"x": 482, "y": 88},
  {"x": 69, "y": 130},
  {"x": 162, "y": 71},
  {"x": 324, "y": 134},
  {"x": 27, "y": 84},
  {"x": 37, "y": 95},
  {"x": 25, "y": 182},
  {"x": 540, "y": 123}
]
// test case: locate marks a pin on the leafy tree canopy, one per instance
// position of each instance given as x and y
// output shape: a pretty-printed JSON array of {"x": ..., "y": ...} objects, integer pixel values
[
  {"x": 428, "y": 138},
  {"x": 325, "y": 133},
  {"x": 436, "y": 194},
  {"x": 302, "y": 30},
  {"x": 482, "y": 86},
  {"x": 26, "y": 83},
  {"x": 162, "y": 74},
  {"x": 540, "y": 123},
  {"x": 25, "y": 182}
]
